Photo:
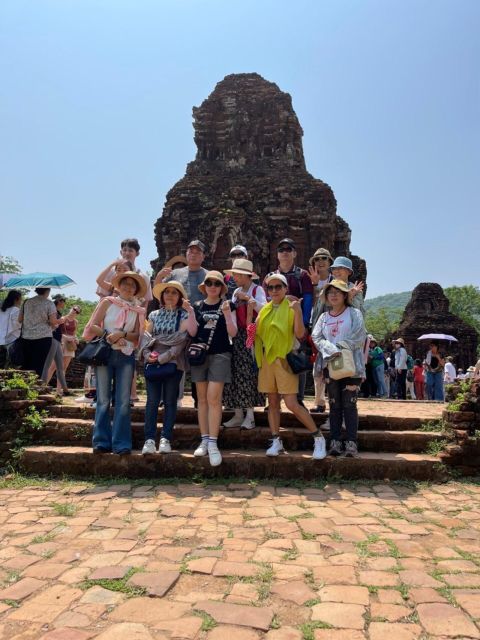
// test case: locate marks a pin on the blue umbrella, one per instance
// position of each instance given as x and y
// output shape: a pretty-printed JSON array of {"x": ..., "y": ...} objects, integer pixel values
[{"x": 38, "y": 279}]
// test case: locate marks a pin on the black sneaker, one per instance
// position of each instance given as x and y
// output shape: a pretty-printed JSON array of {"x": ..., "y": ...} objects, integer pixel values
[
  {"x": 351, "y": 450},
  {"x": 98, "y": 451},
  {"x": 335, "y": 448},
  {"x": 318, "y": 409}
]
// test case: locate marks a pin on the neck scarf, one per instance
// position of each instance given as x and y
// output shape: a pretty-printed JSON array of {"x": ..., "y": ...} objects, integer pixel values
[{"x": 274, "y": 334}]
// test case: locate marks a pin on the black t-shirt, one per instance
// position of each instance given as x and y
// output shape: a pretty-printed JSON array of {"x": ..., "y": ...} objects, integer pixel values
[{"x": 206, "y": 314}]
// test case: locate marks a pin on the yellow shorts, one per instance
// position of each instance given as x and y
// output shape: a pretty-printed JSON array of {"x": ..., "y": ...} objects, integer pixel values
[{"x": 277, "y": 377}]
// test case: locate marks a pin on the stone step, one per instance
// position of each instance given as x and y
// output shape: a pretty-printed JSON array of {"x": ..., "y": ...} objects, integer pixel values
[
  {"x": 72, "y": 431},
  {"x": 187, "y": 415},
  {"x": 297, "y": 465}
]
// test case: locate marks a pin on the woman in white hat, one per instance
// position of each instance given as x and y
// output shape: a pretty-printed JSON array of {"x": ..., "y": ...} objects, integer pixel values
[
  {"x": 341, "y": 327},
  {"x": 169, "y": 326},
  {"x": 242, "y": 393},
  {"x": 216, "y": 327},
  {"x": 122, "y": 319},
  {"x": 279, "y": 322}
]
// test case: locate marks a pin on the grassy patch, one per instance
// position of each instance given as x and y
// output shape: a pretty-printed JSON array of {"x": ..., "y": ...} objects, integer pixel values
[
  {"x": 208, "y": 622},
  {"x": 275, "y": 623},
  {"x": 11, "y": 603},
  {"x": 312, "y": 602},
  {"x": 435, "y": 447},
  {"x": 46, "y": 537},
  {"x": 403, "y": 590},
  {"x": 308, "y": 628},
  {"x": 447, "y": 593},
  {"x": 335, "y": 535},
  {"x": 119, "y": 585},
  {"x": 363, "y": 546},
  {"x": 67, "y": 509},
  {"x": 291, "y": 554}
]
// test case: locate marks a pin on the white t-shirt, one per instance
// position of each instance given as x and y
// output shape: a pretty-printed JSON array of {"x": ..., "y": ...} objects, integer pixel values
[
  {"x": 9, "y": 325},
  {"x": 338, "y": 328},
  {"x": 450, "y": 373}
]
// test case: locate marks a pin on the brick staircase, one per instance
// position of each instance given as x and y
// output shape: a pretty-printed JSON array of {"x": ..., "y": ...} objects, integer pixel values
[{"x": 392, "y": 446}]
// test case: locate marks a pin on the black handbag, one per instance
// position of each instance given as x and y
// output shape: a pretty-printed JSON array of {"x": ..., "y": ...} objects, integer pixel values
[
  {"x": 299, "y": 360},
  {"x": 96, "y": 352},
  {"x": 197, "y": 351},
  {"x": 157, "y": 372}
]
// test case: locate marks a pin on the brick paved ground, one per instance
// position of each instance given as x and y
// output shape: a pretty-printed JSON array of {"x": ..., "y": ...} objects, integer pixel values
[{"x": 351, "y": 562}]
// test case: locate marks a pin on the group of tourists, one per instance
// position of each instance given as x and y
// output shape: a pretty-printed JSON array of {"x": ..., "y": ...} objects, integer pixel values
[
  {"x": 46, "y": 337},
  {"x": 397, "y": 374},
  {"x": 244, "y": 342},
  {"x": 235, "y": 336}
]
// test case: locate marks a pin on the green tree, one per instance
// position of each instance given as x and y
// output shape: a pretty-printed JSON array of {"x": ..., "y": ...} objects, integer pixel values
[
  {"x": 382, "y": 322},
  {"x": 465, "y": 302},
  {"x": 9, "y": 265}
]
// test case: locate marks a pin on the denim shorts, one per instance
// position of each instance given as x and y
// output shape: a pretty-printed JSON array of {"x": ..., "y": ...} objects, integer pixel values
[{"x": 216, "y": 368}]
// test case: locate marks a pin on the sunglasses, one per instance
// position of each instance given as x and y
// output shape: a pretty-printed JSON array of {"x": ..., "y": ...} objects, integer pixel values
[
  {"x": 212, "y": 283},
  {"x": 274, "y": 287},
  {"x": 237, "y": 254},
  {"x": 320, "y": 258},
  {"x": 284, "y": 250}
]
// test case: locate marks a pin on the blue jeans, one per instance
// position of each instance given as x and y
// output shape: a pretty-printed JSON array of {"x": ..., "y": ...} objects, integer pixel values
[
  {"x": 435, "y": 385},
  {"x": 116, "y": 436},
  {"x": 379, "y": 377},
  {"x": 168, "y": 389}
]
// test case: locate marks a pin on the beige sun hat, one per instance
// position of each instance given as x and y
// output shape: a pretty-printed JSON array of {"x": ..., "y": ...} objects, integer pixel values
[
  {"x": 400, "y": 340},
  {"x": 139, "y": 279},
  {"x": 213, "y": 275},
  {"x": 337, "y": 284},
  {"x": 175, "y": 260},
  {"x": 242, "y": 266},
  {"x": 161, "y": 286},
  {"x": 276, "y": 276},
  {"x": 320, "y": 253}
]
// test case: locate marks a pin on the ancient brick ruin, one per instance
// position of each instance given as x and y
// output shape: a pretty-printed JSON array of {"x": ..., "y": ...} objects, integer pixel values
[
  {"x": 248, "y": 183},
  {"x": 428, "y": 312}
]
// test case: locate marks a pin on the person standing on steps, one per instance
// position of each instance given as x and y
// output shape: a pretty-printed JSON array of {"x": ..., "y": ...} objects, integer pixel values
[
  {"x": 300, "y": 287},
  {"x": 341, "y": 327},
  {"x": 278, "y": 324},
  {"x": 242, "y": 393},
  {"x": 320, "y": 276},
  {"x": 190, "y": 277},
  {"x": 169, "y": 326},
  {"x": 217, "y": 326},
  {"x": 121, "y": 318}
]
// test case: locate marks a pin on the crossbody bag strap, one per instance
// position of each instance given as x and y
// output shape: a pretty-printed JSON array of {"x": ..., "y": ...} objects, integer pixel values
[{"x": 23, "y": 318}]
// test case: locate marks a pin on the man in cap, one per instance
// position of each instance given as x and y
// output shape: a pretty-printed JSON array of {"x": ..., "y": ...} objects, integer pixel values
[
  {"x": 299, "y": 286},
  {"x": 190, "y": 276}
]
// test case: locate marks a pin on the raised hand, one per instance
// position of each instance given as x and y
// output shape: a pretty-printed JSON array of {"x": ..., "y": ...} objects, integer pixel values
[
  {"x": 296, "y": 304},
  {"x": 226, "y": 308},
  {"x": 314, "y": 276},
  {"x": 166, "y": 272},
  {"x": 187, "y": 306}
]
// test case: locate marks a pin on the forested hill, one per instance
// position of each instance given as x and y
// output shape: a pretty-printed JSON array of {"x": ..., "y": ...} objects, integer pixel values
[{"x": 389, "y": 301}]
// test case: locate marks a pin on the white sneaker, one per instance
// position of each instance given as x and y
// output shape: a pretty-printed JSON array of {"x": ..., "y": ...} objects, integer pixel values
[
  {"x": 202, "y": 449},
  {"x": 319, "y": 448},
  {"x": 236, "y": 421},
  {"x": 214, "y": 454},
  {"x": 275, "y": 448},
  {"x": 149, "y": 447},
  {"x": 248, "y": 423},
  {"x": 164, "y": 446}
]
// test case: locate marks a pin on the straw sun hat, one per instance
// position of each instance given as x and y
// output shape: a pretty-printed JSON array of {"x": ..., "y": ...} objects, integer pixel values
[{"x": 139, "y": 279}]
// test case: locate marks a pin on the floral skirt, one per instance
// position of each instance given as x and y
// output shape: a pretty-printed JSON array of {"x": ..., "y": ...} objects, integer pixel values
[{"x": 242, "y": 392}]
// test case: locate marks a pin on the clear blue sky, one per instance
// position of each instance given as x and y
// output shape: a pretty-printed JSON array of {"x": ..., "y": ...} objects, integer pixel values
[{"x": 96, "y": 125}]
